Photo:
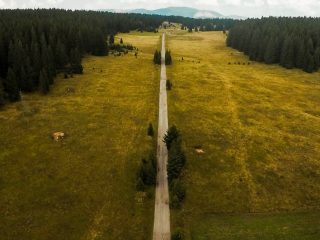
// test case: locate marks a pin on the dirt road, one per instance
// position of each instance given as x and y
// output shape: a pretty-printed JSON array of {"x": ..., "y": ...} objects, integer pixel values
[{"x": 161, "y": 229}]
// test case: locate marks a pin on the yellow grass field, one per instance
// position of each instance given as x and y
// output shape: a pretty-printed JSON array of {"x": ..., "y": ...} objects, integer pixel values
[
  {"x": 81, "y": 188},
  {"x": 259, "y": 128}
]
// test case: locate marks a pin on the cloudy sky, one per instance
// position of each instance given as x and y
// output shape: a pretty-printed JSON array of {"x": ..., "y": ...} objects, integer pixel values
[{"x": 248, "y": 8}]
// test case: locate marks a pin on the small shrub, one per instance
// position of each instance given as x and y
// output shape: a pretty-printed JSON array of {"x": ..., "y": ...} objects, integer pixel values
[
  {"x": 150, "y": 130},
  {"x": 146, "y": 174},
  {"x": 140, "y": 185},
  {"x": 177, "y": 193},
  {"x": 77, "y": 68},
  {"x": 177, "y": 189},
  {"x": 177, "y": 235},
  {"x": 174, "y": 202}
]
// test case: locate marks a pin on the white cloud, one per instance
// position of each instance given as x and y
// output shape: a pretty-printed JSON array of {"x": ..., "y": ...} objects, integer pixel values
[{"x": 251, "y": 8}]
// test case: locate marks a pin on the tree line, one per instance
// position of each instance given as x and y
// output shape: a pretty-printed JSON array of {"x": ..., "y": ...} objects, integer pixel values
[
  {"x": 157, "y": 57},
  {"x": 176, "y": 163},
  {"x": 290, "y": 42},
  {"x": 35, "y": 45}
]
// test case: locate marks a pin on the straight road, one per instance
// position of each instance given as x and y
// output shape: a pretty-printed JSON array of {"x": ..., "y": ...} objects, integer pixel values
[{"x": 161, "y": 229}]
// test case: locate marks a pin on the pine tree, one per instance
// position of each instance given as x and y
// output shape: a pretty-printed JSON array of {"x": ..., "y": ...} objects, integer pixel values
[
  {"x": 44, "y": 85},
  {"x": 30, "y": 82},
  {"x": 35, "y": 61},
  {"x": 2, "y": 94},
  {"x": 176, "y": 160},
  {"x": 317, "y": 59},
  {"x": 3, "y": 57},
  {"x": 111, "y": 39},
  {"x": 254, "y": 45},
  {"x": 61, "y": 55},
  {"x": 168, "y": 59},
  {"x": 157, "y": 57},
  {"x": 272, "y": 51},
  {"x": 51, "y": 65},
  {"x": 299, "y": 53},
  {"x": 121, "y": 41},
  {"x": 101, "y": 47},
  {"x": 171, "y": 135},
  {"x": 287, "y": 53},
  {"x": 23, "y": 79},
  {"x": 11, "y": 86},
  {"x": 76, "y": 61},
  {"x": 309, "y": 66}
]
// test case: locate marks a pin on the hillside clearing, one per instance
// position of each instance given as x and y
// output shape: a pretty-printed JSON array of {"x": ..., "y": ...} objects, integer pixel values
[
  {"x": 82, "y": 187},
  {"x": 259, "y": 126}
]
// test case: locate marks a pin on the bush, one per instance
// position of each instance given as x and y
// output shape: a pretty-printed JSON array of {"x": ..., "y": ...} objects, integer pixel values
[
  {"x": 177, "y": 189},
  {"x": 150, "y": 130},
  {"x": 140, "y": 185},
  {"x": 177, "y": 235},
  {"x": 147, "y": 172},
  {"x": 77, "y": 68},
  {"x": 177, "y": 194}
]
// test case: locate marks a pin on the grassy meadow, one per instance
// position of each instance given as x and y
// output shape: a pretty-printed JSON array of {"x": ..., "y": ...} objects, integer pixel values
[
  {"x": 259, "y": 128},
  {"x": 84, "y": 186}
]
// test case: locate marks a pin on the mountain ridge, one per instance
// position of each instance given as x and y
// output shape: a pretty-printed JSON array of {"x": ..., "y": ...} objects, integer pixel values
[{"x": 179, "y": 11}]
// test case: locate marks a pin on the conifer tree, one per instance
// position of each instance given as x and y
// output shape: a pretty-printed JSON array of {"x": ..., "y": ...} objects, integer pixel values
[
  {"x": 30, "y": 83},
  {"x": 11, "y": 86},
  {"x": 176, "y": 160},
  {"x": 23, "y": 79},
  {"x": 2, "y": 94},
  {"x": 157, "y": 57},
  {"x": 272, "y": 51},
  {"x": 111, "y": 39},
  {"x": 76, "y": 61},
  {"x": 299, "y": 53},
  {"x": 309, "y": 65},
  {"x": 287, "y": 53},
  {"x": 171, "y": 135},
  {"x": 168, "y": 58},
  {"x": 44, "y": 85},
  {"x": 317, "y": 59},
  {"x": 3, "y": 57},
  {"x": 61, "y": 55}
]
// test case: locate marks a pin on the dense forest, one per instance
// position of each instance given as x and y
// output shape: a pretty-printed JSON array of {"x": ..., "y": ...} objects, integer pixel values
[
  {"x": 35, "y": 45},
  {"x": 291, "y": 42}
]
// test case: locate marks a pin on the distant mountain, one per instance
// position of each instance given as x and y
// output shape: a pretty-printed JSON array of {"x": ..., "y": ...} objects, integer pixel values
[{"x": 180, "y": 11}]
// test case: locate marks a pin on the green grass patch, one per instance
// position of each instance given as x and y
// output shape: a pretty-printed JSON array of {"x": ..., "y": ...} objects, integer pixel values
[
  {"x": 257, "y": 125},
  {"x": 288, "y": 226},
  {"x": 84, "y": 186}
]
